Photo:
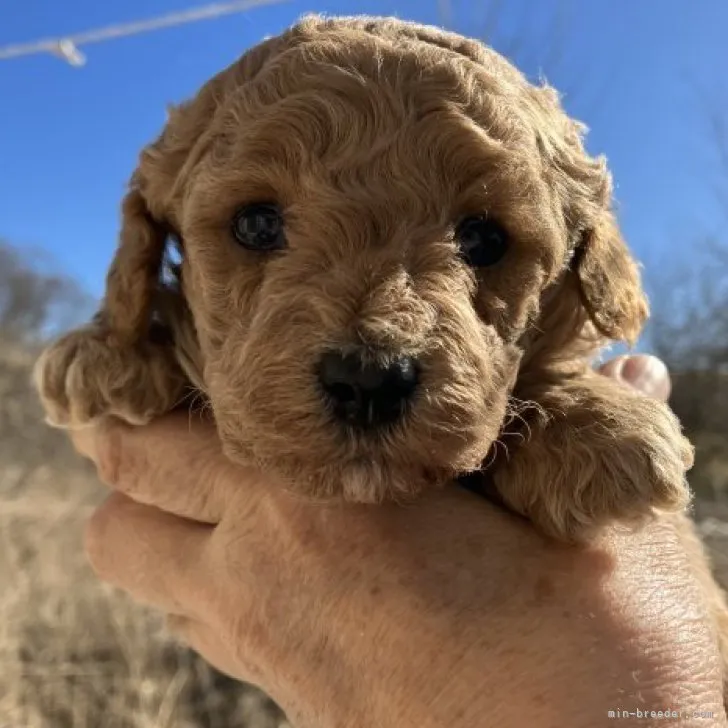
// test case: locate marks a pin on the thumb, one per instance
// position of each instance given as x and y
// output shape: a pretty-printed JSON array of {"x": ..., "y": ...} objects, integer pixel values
[{"x": 644, "y": 372}]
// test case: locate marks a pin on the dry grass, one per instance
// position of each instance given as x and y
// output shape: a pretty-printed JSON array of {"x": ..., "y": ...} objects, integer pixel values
[{"x": 74, "y": 653}]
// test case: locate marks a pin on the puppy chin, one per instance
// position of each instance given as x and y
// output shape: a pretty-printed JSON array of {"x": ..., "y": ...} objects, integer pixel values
[
  {"x": 369, "y": 481},
  {"x": 357, "y": 480},
  {"x": 371, "y": 477},
  {"x": 365, "y": 481}
]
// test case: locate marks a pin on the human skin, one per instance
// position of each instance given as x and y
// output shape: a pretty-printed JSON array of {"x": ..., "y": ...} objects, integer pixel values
[{"x": 447, "y": 612}]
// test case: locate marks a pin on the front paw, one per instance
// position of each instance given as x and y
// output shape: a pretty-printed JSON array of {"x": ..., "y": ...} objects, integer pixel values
[
  {"x": 603, "y": 455},
  {"x": 82, "y": 377},
  {"x": 639, "y": 466}
]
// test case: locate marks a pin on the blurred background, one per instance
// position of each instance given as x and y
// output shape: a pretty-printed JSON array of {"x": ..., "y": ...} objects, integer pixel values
[{"x": 84, "y": 85}]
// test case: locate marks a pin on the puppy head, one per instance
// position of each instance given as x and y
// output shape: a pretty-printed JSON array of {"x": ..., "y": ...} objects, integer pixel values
[{"x": 376, "y": 219}]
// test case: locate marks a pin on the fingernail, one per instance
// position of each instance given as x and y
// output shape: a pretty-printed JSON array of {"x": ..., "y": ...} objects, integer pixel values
[
  {"x": 646, "y": 373},
  {"x": 613, "y": 367}
]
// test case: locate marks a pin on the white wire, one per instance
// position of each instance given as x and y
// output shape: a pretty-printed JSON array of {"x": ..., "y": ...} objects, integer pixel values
[{"x": 52, "y": 45}]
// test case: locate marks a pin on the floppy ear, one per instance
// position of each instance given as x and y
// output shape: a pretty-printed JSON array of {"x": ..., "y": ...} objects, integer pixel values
[
  {"x": 132, "y": 280},
  {"x": 608, "y": 277},
  {"x": 118, "y": 364},
  {"x": 134, "y": 273},
  {"x": 609, "y": 282}
]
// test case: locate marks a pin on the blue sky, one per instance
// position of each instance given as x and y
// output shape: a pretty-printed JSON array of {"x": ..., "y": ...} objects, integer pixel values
[{"x": 641, "y": 74}]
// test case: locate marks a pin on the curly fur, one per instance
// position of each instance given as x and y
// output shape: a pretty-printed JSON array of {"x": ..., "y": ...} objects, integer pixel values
[{"x": 375, "y": 136}]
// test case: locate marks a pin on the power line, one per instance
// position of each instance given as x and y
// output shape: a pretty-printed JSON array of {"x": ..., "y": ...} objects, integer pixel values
[{"x": 67, "y": 47}]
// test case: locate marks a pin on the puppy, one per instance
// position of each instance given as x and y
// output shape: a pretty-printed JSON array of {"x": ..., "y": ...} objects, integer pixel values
[{"x": 395, "y": 261}]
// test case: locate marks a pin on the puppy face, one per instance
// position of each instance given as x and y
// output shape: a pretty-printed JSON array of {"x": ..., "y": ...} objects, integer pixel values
[{"x": 372, "y": 216}]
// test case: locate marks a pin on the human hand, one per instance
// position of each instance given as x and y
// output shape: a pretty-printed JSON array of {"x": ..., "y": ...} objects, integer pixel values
[
  {"x": 645, "y": 373},
  {"x": 446, "y": 612}
]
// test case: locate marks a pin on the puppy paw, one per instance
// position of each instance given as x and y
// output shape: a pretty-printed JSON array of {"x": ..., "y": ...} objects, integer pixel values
[
  {"x": 603, "y": 455},
  {"x": 638, "y": 468},
  {"x": 83, "y": 376}
]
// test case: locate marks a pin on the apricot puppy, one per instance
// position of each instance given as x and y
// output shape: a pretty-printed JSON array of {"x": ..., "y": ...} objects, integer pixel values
[{"x": 396, "y": 261}]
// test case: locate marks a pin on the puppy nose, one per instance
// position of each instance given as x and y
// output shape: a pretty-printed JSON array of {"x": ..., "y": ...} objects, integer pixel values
[{"x": 367, "y": 394}]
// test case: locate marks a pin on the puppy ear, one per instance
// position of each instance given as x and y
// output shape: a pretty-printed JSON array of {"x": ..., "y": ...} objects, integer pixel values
[
  {"x": 134, "y": 273},
  {"x": 609, "y": 282}
]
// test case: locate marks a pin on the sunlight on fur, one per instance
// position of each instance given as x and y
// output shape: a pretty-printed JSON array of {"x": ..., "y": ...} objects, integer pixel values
[{"x": 436, "y": 212}]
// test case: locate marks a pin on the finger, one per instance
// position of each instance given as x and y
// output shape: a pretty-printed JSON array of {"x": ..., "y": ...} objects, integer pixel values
[
  {"x": 213, "y": 647},
  {"x": 174, "y": 464},
  {"x": 152, "y": 555},
  {"x": 644, "y": 372}
]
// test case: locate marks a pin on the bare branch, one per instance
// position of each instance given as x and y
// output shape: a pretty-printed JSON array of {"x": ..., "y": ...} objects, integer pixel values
[{"x": 35, "y": 302}]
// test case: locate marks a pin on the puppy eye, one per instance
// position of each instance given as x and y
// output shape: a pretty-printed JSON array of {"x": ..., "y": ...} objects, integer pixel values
[
  {"x": 483, "y": 241},
  {"x": 259, "y": 227}
]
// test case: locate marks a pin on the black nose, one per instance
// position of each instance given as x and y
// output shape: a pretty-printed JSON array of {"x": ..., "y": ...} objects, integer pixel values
[{"x": 365, "y": 393}]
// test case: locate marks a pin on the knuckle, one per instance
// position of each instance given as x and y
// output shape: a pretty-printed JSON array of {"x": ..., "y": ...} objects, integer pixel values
[
  {"x": 115, "y": 462},
  {"x": 96, "y": 541}
]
